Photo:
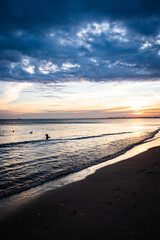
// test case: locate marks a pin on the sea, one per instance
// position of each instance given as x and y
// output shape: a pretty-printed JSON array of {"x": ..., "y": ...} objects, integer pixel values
[{"x": 28, "y": 159}]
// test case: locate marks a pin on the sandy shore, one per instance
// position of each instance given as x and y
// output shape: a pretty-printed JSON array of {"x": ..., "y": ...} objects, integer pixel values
[{"x": 120, "y": 201}]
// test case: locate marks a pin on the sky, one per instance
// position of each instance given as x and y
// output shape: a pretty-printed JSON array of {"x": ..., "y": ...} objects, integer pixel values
[{"x": 79, "y": 58}]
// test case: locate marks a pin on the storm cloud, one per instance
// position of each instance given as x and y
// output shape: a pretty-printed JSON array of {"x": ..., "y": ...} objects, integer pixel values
[{"x": 59, "y": 41}]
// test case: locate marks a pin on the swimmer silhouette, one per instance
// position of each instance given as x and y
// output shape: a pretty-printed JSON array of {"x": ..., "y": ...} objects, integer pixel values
[{"x": 47, "y": 136}]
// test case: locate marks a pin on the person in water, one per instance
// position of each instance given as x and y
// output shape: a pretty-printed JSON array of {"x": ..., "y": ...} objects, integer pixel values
[{"x": 47, "y": 136}]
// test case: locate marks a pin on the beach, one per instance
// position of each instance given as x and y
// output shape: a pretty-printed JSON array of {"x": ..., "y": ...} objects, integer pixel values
[
  {"x": 80, "y": 120},
  {"x": 120, "y": 201}
]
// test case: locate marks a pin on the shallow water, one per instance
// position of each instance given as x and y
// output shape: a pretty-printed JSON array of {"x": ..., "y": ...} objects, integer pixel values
[{"x": 28, "y": 160}]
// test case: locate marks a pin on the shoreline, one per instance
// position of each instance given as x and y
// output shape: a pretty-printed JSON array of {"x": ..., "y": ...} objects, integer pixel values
[{"x": 120, "y": 201}]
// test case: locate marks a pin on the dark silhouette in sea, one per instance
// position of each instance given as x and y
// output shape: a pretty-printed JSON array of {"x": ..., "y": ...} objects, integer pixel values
[{"x": 47, "y": 136}]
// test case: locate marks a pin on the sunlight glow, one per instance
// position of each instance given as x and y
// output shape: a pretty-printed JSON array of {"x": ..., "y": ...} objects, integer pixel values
[
  {"x": 138, "y": 113},
  {"x": 80, "y": 99},
  {"x": 137, "y": 105}
]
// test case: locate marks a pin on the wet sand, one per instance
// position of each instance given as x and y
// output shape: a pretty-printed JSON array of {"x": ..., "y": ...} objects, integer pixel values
[{"x": 120, "y": 201}]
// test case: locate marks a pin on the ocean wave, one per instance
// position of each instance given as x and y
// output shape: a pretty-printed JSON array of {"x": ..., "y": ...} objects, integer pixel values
[
  {"x": 32, "y": 162},
  {"x": 57, "y": 140}
]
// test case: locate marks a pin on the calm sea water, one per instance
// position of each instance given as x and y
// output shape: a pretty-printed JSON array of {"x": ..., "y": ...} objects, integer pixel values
[{"x": 28, "y": 159}]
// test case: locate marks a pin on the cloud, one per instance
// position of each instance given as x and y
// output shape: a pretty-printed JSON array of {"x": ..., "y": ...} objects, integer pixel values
[
  {"x": 12, "y": 92},
  {"x": 100, "y": 40},
  {"x": 146, "y": 45},
  {"x": 48, "y": 67},
  {"x": 67, "y": 66}
]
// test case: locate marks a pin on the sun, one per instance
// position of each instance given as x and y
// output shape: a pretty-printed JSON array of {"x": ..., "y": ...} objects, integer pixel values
[
  {"x": 137, "y": 113},
  {"x": 137, "y": 106}
]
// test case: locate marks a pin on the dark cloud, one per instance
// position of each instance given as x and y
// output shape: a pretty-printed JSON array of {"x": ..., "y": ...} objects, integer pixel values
[
  {"x": 100, "y": 40},
  {"x": 31, "y": 13}
]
